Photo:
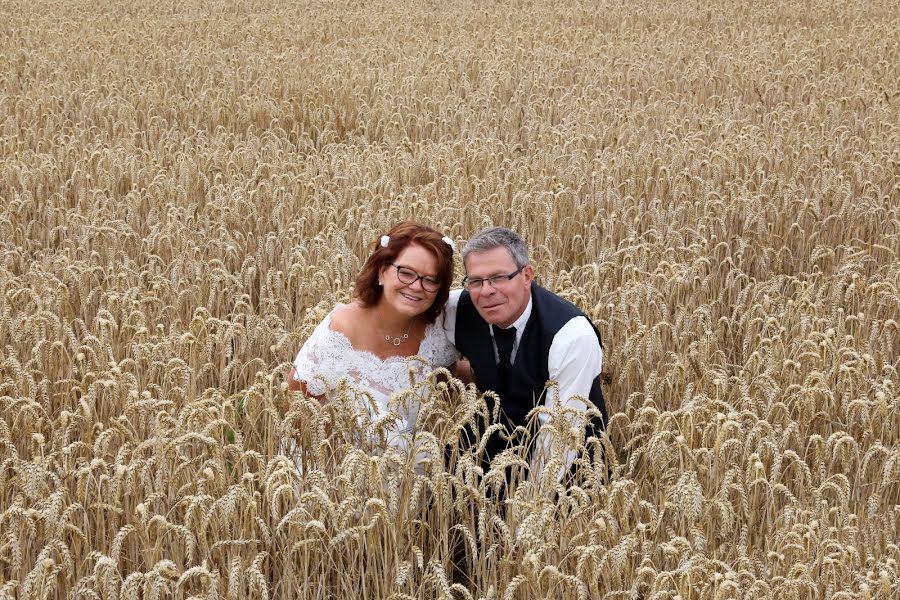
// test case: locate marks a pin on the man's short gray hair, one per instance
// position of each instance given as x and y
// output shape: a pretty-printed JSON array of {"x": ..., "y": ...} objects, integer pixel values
[{"x": 497, "y": 237}]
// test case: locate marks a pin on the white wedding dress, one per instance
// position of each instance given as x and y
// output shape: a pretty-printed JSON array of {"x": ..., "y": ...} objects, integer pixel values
[{"x": 327, "y": 357}]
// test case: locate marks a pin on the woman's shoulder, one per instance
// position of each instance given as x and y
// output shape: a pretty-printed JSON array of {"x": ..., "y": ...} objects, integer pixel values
[
  {"x": 345, "y": 318},
  {"x": 328, "y": 354}
]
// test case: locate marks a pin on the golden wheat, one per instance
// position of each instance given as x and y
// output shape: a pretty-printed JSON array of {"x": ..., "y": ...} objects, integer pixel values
[{"x": 188, "y": 187}]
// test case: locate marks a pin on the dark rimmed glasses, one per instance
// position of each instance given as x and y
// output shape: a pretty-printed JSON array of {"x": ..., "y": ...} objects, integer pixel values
[
  {"x": 407, "y": 276},
  {"x": 495, "y": 281}
]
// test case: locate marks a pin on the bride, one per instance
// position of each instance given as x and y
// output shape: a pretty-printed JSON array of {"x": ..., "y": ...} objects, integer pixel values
[{"x": 399, "y": 298}]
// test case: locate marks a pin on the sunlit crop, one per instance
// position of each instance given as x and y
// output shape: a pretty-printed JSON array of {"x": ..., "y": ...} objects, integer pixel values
[{"x": 186, "y": 189}]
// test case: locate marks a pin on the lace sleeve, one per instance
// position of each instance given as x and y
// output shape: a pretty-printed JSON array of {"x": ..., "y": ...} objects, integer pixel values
[
  {"x": 313, "y": 366},
  {"x": 441, "y": 352}
]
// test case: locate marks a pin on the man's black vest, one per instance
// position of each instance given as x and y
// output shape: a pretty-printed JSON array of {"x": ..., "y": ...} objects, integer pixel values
[{"x": 523, "y": 388}]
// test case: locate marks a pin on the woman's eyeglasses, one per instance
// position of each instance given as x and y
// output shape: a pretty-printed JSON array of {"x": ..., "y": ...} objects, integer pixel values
[{"x": 409, "y": 277}]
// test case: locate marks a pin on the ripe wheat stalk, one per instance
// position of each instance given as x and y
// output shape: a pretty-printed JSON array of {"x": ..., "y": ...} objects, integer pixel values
[{"x": 188, "y": 188}]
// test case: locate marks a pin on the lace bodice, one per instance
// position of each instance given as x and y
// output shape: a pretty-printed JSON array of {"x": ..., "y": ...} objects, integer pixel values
[{"x": 327, "y": 356}]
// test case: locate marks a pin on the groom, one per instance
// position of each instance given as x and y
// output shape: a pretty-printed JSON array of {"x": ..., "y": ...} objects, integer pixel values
[{"x": 517, "y": 336}]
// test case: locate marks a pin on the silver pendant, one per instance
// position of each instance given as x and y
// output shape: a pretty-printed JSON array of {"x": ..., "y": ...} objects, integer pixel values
[{"x": 396, "y": 340}]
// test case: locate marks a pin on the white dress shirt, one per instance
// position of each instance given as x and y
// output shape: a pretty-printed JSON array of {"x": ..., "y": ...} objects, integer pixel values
[{"x": 574, "y": 361}]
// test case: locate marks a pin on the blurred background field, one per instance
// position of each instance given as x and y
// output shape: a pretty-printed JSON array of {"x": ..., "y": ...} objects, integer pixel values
[{"x": 187, "y": 187}]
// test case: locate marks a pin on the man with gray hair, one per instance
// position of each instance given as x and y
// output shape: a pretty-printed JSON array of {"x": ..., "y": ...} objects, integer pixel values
[{"x": 517, "y": 336}]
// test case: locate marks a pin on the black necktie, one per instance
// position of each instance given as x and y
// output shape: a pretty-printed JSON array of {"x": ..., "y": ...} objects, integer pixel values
[{"x": 505, "y": 339}]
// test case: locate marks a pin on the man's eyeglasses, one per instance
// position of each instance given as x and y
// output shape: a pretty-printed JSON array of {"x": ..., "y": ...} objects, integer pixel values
[
  {"x": 495, "y": 281},
  {"x": 409, "y": 277}
]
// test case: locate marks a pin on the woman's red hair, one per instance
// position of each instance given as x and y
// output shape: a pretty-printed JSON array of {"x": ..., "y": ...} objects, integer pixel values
[{"x": 402, "y": 235}]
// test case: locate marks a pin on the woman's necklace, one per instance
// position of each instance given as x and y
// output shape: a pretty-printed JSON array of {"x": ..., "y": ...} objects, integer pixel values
[{"x": 398, "y": 340}]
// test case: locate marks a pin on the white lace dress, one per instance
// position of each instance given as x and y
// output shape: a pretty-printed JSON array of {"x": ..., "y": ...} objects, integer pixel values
[{"x": 327, "y": 357}]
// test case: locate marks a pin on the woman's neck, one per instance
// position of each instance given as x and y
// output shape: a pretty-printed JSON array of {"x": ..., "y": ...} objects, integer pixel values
[{"x": 389, "y": 320}]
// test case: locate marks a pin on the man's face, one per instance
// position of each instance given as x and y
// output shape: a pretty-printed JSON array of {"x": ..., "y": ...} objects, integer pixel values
[{"x": 503, "y": 303}]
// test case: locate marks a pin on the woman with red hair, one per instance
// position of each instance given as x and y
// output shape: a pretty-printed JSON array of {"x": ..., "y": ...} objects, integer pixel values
[{"x": 399, "y": 296}]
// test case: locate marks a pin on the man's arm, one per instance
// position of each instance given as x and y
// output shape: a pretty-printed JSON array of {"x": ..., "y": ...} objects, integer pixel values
[
  {"x": 449, "y": 324},
  {"x": 462, "y": 370},
  {"x": 574, "y": 361}
]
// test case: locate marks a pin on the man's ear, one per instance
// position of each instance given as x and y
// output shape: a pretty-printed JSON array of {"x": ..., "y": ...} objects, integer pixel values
[{"x": 528, "y": 273}]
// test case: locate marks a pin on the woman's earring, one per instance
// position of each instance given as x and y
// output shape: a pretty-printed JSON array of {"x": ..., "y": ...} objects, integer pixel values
[{"x": 379, "y": 283}]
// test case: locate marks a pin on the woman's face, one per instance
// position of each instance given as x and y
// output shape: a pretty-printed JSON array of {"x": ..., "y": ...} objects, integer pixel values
[{"x": 413, "y": 263}]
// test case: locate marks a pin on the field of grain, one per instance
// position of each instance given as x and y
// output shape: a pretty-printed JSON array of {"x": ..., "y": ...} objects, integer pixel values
[{"x": 187, "y": 187}]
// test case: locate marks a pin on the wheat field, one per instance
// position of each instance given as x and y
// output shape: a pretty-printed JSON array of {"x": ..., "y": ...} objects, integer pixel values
[{"x": 188, "y": 187}]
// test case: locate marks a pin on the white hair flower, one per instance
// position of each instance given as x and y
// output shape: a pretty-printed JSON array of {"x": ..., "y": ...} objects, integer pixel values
[
  {"x": 449, "y": 242},
  {"x": 385, "y": 240}
]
